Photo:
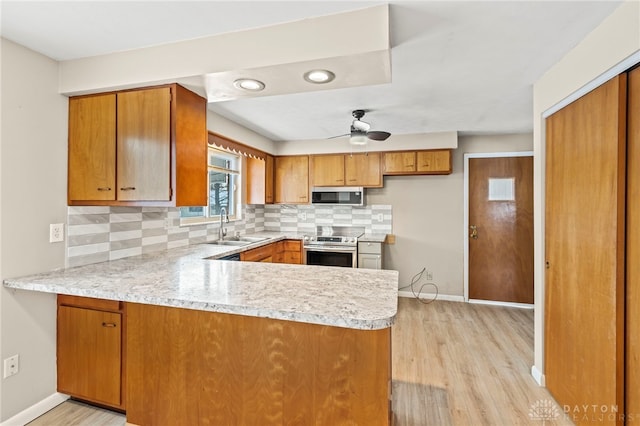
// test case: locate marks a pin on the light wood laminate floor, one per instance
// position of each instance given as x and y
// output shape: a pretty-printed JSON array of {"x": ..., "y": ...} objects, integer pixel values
[{"x": 453, "y": 364}]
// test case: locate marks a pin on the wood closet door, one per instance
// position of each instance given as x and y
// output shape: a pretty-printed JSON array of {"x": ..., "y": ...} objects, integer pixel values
[
  {"x": 585, "y": 243},
  {"x": 633, "y": 248}
]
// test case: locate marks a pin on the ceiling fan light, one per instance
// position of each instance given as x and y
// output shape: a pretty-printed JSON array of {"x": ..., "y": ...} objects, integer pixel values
[
  {"x": 358, "y": 139},
  {"x": 361, "y": 126},
  {"x": 249, "y": 84},
  {"x": 319, "y": 76}
]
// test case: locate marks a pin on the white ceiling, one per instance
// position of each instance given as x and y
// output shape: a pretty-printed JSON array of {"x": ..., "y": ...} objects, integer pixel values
[{"x": 456, "y": 66}]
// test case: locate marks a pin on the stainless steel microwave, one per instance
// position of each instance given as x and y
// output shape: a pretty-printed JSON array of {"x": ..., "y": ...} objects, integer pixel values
[{"x": 338, "y": 195}]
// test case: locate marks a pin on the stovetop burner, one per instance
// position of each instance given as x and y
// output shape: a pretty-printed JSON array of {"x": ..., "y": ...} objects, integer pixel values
[{"x": 332, "y": 235}]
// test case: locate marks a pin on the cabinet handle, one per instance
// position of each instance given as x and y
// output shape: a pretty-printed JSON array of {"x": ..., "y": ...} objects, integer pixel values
[
  {"x": 352, "y": 180},
  {"x": 128, "y": 188},
  {"x": 409, "y": 165},
  {"x": 109, "y": 324},
  {"x": 104, "y": 188}
]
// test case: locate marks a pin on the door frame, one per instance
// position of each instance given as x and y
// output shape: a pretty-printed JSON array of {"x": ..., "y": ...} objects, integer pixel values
[{"x": 465, "y": 223}]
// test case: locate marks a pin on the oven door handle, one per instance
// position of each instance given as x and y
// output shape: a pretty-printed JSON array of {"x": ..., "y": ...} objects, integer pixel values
[{"x": 332, "y": 249}]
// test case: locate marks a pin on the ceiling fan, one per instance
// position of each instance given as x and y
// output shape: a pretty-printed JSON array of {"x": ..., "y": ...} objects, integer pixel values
[{"x": 360, "y": 133}]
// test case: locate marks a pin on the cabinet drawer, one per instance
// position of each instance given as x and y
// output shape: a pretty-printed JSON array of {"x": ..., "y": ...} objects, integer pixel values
[
  {"x": 90, "y": 303},
  {"x": 292, "y": 245},
  {"x": 369, "y": 247},
  {"x": 257, "y": 254}
]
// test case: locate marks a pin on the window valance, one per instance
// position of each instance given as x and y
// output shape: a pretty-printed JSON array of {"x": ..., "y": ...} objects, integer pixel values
[{"x": 235, "y": 146}]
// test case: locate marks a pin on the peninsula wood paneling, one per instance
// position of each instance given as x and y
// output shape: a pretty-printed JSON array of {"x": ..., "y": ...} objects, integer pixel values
[
  {"x": 195, "y": 367},
  {"x": 633, "y": 248},
  {"x": 585, "y": 246}
]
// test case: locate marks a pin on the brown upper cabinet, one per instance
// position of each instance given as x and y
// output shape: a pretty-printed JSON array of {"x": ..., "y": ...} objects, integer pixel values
[
  {"x": 138, "y": 147},
  {"x": 417, "y": 162},
  {"x": 346, "y": 169},
  {"x": 260, "y": 180},
  {"x": 327, "y": 170},
  {"x": 363, "y": 170},
  {"x": 291, "y": 183}
]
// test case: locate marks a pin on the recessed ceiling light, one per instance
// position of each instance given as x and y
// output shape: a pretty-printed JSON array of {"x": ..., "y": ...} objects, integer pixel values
[
  {"x": 319, "y": 76},
  {"x": 249, "y": 84}
]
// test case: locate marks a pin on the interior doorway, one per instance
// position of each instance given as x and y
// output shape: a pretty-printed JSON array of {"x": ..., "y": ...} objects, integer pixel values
[{"x": 498, "y": 228}]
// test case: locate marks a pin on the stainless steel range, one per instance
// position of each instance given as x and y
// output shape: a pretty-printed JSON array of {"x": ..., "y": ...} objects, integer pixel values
[{"x": 332, "y": 246}]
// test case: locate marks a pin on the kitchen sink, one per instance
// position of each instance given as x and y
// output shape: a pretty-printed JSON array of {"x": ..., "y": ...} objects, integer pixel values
[
  {"x": 249, "y": 239},
  {"x": 231, "y": 243},
  {"x": 239, "y": 241}
]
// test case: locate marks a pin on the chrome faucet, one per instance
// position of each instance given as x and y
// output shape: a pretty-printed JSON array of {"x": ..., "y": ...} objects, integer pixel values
[{"x": 223, "y": 216}]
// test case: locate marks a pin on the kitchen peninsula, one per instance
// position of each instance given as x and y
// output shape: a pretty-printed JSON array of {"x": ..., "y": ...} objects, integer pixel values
[{"x": 220, "y": 342}]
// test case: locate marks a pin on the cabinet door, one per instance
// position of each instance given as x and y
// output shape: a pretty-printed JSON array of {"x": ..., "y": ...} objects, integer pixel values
[
  {"x": 268, "y": 180},
  {"x": 292, "y": 252},
  {"x": 399, "y": 162},
  {"x": 370, "y": 261},
  {"x": 434, "y": 161},
  {"x": 256, "y": 182},
  {"x": 292, "y": 179},
  {"x": 259, "y": 254},
  {"x": 144, "y": 137},
  {"x": 363, "y": 170},
  {"x": 92, "y": 148},
  {"x": 89, "y": 354},
  {"x": 327, "y": 170}
]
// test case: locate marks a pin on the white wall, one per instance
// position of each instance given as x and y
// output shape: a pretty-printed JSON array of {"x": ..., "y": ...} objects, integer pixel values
[
  {"x": 428, "y": 215},
  {"x": 33, "y": 161},
  {"x": 613, "y": 41},
  {"x": 218, "y": 124},
  {"x": 395, "y": 142}
]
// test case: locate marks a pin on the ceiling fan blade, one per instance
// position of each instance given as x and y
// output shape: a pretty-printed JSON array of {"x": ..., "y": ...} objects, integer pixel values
[
  {"x": 376, "y": 135},
  {"x": 339, "y": 136}
]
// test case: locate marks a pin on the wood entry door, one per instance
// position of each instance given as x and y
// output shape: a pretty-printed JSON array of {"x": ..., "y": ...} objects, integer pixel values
[{"x": 501, "y": 229}]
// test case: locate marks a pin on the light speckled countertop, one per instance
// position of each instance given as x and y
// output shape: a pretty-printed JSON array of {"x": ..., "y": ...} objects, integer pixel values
[
  {"x": 344, "y": 297},
  {"x": 373, "y": 238}
]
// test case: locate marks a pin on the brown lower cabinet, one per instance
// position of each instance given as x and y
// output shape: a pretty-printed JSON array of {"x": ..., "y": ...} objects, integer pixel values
[
  {"x": 91, "y": 335},
  {"x": 90, "y": 350},
  {"x": 287, "y": 251}
]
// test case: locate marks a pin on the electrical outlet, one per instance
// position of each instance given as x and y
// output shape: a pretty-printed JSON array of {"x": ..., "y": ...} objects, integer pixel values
[
  {"x": 428, "y": 275},
  {"x": 167, "y": 223},
  {"x": 56, "y": 232},
  {"x": 380, "y": 217},
  {"x": 303, "y": 216},
  {"x": 11, "y": 366}
]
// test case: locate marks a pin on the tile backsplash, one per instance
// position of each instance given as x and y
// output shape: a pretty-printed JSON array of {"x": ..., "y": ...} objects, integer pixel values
[
  {"x": 99, "y": 234},
  {"x": 376, "y": 219}
]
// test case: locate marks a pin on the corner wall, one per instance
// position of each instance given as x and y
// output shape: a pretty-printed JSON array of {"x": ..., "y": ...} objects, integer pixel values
[
  {"x": 614, "y": 40},
  {"x": 428, "y": 216},
  {"x": 33, "y": 163}
]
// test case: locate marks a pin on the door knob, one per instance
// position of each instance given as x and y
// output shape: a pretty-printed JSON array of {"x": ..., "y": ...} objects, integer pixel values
[{"x": 474, "y": 232}]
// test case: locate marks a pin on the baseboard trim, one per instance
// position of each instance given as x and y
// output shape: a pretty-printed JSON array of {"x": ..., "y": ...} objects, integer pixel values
[
  {"x": 36, "y": 410},
  {"x": 537, "y": 376},
  {"x": 430, "y": 296},
  {"x": 506, "y": 304}
]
